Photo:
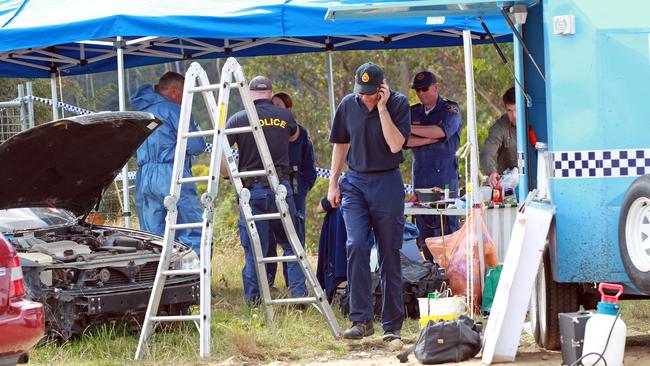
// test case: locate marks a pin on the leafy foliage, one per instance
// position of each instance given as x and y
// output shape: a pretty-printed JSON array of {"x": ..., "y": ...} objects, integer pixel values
[{"x": 304, "y": 77}]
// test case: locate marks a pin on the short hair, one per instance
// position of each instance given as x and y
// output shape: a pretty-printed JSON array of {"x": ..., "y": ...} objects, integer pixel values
[
  {"x": 509, "y": 96},
  {"x": 285, "y": 98},
  {"x": 168, "y": 79}
]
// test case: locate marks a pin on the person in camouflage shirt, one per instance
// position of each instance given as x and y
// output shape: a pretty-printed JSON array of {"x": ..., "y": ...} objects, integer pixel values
[{"x": 500, "y": 149}]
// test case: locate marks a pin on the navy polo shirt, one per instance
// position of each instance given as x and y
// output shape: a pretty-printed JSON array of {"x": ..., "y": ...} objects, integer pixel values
[
  {"x": 354, "y": 124},
  {"x": 278, "y": 125},
  {"x": 446, "y": 115}
]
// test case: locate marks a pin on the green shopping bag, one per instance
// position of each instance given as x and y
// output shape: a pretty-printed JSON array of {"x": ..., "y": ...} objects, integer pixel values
[{"x": 490, "y": 287}]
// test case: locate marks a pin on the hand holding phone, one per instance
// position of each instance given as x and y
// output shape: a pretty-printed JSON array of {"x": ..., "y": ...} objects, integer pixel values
[{"x": 384, "y": 93}]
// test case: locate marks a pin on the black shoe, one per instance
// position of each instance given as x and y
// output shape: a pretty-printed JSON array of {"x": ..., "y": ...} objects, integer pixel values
[
  {"x": 391, "y": 335},
  {"x": 359, "y": 330}
]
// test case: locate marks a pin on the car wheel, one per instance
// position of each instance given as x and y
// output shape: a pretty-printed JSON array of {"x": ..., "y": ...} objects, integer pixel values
[
  {"x": 549, "y": 299},
  {"x": 634, "y": 233}
]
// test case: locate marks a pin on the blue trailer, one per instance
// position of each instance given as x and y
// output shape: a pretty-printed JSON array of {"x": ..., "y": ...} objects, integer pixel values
[
  {"x": 595, "y": 58},
  {"x": 583, "y": 69}
]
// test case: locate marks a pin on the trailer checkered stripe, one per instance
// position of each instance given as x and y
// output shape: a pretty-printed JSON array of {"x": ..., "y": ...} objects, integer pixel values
[
  {"x": 601, "y": 163},
  {"x": 521, "y": 163}
]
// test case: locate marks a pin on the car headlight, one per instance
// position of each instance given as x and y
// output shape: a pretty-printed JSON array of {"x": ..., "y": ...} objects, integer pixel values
[{"x": 189, "y": 261}]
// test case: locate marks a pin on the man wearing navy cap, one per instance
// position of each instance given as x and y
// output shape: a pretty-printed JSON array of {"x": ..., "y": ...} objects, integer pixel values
[
  {"x": 435, "y": 135},
  {"x": 368, "y": 131},
  {"x": 279, "y": 129}
]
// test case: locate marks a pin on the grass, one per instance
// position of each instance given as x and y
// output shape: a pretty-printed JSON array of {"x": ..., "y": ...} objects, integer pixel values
[{"x": 238, "y": 331}]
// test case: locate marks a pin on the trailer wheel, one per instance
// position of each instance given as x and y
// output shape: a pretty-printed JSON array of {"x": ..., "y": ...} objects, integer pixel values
[
  {"x": 549, "y": 299},
  {"x": 634, "y": 233}
]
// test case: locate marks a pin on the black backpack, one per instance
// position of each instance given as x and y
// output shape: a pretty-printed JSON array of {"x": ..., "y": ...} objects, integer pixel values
[
  {"x": 418, "y": 279},
  {"x": 446, "y": 341}
]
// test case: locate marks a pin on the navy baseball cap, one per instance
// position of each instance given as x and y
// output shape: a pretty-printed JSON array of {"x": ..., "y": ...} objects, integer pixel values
[
  {"x": 423, "y": 79},
  {"x": 260, "y": 83},
  {"x": 368, "y": 78}
]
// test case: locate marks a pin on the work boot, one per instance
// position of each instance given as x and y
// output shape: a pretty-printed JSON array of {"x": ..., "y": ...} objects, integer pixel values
[
  {"x": 359, "y": 330},
  {"x": 391, "y": 335}
]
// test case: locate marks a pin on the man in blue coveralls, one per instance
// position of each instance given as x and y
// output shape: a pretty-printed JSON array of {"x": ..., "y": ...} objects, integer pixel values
[
  {"x": 155, "y": 159},
  {"x": 369, "y": 129},
  {"x": 279, "y": 129},
  {"x": 435, "y": 135}
]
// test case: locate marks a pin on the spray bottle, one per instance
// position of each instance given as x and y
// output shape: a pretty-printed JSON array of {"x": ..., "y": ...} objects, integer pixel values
[{"x": 605, "y": 331}]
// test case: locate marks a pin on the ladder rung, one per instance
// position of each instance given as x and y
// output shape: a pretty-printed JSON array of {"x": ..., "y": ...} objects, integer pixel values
[
  {"x": 272, "y": 216},
  {"x": 176, "y": 318},
  {"x": 203, "y": 178},
  {"x": 237, "y": 130},
  {"x": 191, "y": 225},
  {"x": 250, "y": 173},
  {"x": 210, "y": 87},
  {"x": 181, "y": 272},
  {"x": 288, "y": 258},
  {"x": 299, "y": 300},
  {"x": 199, "y": 133}
]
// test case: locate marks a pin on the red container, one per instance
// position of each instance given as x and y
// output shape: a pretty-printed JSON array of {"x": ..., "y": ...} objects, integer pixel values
[{"x": 497, "y": 193}]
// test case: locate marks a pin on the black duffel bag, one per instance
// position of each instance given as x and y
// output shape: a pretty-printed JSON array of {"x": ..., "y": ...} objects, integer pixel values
[{"x": 446, "y": 341}]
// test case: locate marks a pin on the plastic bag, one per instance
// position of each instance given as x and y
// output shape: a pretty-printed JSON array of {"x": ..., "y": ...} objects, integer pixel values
[
  {"x": 510, "y": 178},
  {"x": 450, "y": 253}
]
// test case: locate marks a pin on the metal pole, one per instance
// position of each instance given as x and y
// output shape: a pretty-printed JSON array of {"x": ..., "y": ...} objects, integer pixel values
[
  {"x": 30, "y": 104},
  {"x": 520, "y": 106},
  {"x": 55, "y": 98},
  {"x": 330, "y": 84},
  {"x": 23, "y": 113},
  {"x": 472, "y": 137},
  {"x": 121, "y": 94}
]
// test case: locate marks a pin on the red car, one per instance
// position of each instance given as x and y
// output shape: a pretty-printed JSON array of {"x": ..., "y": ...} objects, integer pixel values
[{"x": 22, "y": 322}]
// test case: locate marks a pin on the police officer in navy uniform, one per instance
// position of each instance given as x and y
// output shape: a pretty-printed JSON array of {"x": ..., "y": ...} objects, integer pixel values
[
  {"x": 279, "y": 129},
  {"x": 435, "y": 135},
  {"x": 369, "y": 129}
]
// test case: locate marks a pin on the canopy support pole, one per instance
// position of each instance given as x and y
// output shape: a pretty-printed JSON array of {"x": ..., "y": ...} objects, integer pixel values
[
  {"x": 474, "y": 166},
  {"x": 330, "y": 84},
  {"x": 55, "y": 97},
  {"x": 126, "y": 213},
  {"x": 520, "y": 106}
]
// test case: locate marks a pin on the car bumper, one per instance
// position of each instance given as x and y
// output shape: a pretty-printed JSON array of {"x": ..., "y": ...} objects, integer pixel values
[
  {"x": 20, "y": 329},
  {"x": 125, "y": 301}
]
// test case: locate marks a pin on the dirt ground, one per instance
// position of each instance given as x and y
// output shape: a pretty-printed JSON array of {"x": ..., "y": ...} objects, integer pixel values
[{"x": 374, "y": 353}]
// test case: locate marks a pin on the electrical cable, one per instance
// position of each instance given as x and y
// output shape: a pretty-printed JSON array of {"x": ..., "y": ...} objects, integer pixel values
[{"x": 601, "y": 356}]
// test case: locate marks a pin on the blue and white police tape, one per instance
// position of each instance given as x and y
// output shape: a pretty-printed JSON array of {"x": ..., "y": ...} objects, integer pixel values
[
  {"x": 320, "y": 172},
  {"x": 64, "y": 106}
]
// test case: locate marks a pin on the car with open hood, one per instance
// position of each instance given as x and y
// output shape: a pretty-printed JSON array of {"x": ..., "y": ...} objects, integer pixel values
[{"x": 53, "y": 176}]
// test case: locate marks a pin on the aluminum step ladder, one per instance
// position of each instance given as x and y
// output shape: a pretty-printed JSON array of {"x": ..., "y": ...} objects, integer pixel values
[{"x": 196, "y": 81}]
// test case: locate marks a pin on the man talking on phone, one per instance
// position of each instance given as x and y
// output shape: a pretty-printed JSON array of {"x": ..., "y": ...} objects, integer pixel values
[{"x": 368, "y": 131}]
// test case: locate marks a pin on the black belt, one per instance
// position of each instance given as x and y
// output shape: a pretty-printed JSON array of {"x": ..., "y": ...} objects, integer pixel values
[{"x": 249, "y": 182}]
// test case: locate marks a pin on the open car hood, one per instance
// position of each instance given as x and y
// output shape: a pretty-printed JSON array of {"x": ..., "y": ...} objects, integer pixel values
[{"x": 68, "y": 163}]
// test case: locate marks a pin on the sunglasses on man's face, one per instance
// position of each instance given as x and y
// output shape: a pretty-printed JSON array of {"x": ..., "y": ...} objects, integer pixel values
[{"x": 422, "y": 90}]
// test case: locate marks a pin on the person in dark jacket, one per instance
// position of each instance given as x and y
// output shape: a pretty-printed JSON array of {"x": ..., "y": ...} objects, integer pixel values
[{"x": 302, "y": 174}]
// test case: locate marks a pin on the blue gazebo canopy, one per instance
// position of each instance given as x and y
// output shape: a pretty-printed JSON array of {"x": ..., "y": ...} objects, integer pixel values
[{"x": 71, "y": 37}]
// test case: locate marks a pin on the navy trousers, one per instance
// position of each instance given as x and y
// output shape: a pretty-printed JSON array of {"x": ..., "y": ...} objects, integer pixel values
[
  {"x": 263, "y": 201},
  {"x": 374, "y": 201}
]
